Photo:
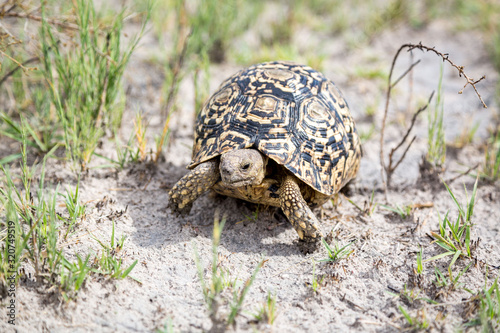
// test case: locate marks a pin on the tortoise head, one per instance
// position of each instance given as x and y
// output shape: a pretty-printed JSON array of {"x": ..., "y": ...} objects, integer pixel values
[{"x": 242, "y": 167}]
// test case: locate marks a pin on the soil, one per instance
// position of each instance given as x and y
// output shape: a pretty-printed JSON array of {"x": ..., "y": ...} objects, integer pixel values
[{"x": 356, "y": 294}]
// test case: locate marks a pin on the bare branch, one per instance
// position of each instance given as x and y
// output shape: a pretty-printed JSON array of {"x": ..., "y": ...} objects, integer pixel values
[
  {"x": 451, "y": 180},
  {"x": 406, "y": 72},
  {"x": 384, "y": 119},
  {"x": 391, "y": 170},
  {"x": 64, "y": 25},
  {"x": 386, "y": 171},
  {"x": 460, "y": 69},
  {"x": 413, "y": 119},
  {"x": 12, "y": 71}
]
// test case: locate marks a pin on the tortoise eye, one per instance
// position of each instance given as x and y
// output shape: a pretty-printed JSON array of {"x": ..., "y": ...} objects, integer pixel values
[{"x": 245, "y": 166}]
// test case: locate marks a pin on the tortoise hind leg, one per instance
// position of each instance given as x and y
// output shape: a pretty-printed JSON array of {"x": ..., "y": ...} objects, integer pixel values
[
  {"x": 192, "y": 185},
  {"x": 298, "y": 212}
]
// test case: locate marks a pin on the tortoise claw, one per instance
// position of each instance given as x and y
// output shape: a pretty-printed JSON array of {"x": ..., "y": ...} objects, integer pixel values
[
  {"x": 183, "y": 212},
  {"x": 309, "y": 245}
]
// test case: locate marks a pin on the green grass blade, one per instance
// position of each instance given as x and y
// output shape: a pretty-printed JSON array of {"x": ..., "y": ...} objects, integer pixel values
[
  {"x": 406, "y": 315},
  {"x": 459, "y": 206},
  {"x": 113, "y": 235},
  {"x": 129, "y": 269},
  {"x": 455, "y": 257},
  {"x": 235, "y": 309},
  {"x": 462, "y": 273},
  {"x": 345, "y": 246},
  {"x": 439, "y": 256},
  {"x": 420, "y": 265},
  {"x": 9, "y": 158},
  {"x": 454, "y": 229},
  {"x": 470, "y": 206},
  {"x": 396, "y": 210},
  {"x": 467, "y": 241},
  {"x": 327, "y": 246}
]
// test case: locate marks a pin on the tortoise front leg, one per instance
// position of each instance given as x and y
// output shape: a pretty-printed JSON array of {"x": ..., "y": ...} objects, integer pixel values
[
  {"x": 192, "y": 185},
  {"x": 297, "y": 211}
]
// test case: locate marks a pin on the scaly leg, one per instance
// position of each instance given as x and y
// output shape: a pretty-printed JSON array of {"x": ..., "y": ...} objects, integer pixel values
[
  {"x": 192, "y": 185},
  {"x": 298, "y": 212}
]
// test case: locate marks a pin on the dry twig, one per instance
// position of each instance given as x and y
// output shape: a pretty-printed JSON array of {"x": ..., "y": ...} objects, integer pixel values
[
  {"x": 52, "y": 21},
  {"x": 387, "y": 171},
  {"x": 391, "y": 168},
  {"x": 451, "y": 180},
  {"x": 23, "y": 66},
  {"x": 460, "y": 69}
]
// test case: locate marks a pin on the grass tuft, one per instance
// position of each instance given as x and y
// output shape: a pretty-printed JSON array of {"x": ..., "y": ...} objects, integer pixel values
[
  {"x": 489, "y": 310},
  {"x": 369, "y": 206},
  {"x": 124, "y": 154},
  {"x": 109, "y": 264},
  {"x": 95, "y": 64},
  {"x": 416, "y": 323},
  {"x": 420, "y": 264},
  {"x": 454, "y": 237},
  {"x": 34, "y": 229},
  {"x": 316, "y": 283},
  {"x": 338, "y": 252},
  {"x": 73, "y": 276},
  {"x": 74, "y": 207},
  {"x": 403, "y": 211},
  {"x": 267, "y": 312},
  {"x": 32, "y": 214},
  {"x": 213, "y": 289}
]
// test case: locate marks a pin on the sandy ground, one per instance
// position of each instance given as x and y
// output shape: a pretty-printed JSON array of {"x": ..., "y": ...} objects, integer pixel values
[{"x": 355, "y": 293}]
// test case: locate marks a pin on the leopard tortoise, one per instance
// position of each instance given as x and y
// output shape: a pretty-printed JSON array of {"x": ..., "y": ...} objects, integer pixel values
[{"x": 277, "y": 134}]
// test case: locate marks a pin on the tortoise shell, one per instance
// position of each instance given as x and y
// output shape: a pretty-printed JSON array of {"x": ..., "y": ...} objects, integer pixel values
[{"x": 289, "y": 112}]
